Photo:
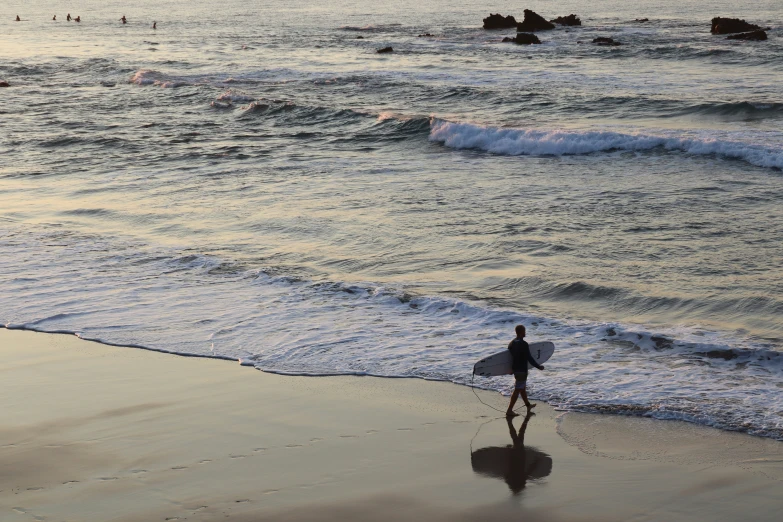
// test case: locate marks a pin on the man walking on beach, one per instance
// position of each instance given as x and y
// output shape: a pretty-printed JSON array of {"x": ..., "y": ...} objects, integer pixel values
[{"x": 520, "y": 353}]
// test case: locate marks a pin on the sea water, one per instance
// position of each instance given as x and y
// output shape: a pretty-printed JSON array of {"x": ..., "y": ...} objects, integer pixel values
[{"x": 253, "y": 181}]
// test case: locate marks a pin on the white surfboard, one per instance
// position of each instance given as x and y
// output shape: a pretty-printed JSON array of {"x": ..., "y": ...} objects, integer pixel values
[{"x": 500, "y": 363}]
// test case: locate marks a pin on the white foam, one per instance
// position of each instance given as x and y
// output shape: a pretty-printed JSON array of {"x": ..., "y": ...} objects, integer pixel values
[
  {"x": 204, "y": 306},
  {"x": 149, "y": 77},
  {"x": 536, "y": 142}
]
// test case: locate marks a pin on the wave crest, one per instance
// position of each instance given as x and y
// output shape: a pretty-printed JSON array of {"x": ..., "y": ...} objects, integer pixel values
[{"x": 534, "y": 142}]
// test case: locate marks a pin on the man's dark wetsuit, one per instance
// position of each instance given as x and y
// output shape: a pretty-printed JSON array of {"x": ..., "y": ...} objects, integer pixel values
[{"x": 520, "y": 353}]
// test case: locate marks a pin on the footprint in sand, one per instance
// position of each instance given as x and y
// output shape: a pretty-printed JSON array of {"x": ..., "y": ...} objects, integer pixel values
[
  {"x": 36, "y": 488},
  {"x": 204, "y": 461},
  {"x": 179, "y": 468},
  {"x": 138, "y": 471},
  {"x": 71, "y": 482},
  {"x": 404, "y": 429},
  {"x": 259, "y": 449},
  {"x": 293, "y": 445},
  {"x": 348, "y": 436},
  {"x": 370, "y": 432},
  {"x": 107, "y": 478},
  {"x": 315, "y": 439},
  {"x": 23, "y": 511},
  {"x": 237, "y": 456},
  {"x": 270, "y": 491},
  {"x": 242, "y": 501}
]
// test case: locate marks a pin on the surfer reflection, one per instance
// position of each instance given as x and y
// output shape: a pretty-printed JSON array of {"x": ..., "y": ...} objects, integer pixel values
[{"x": 515, "y": 464}]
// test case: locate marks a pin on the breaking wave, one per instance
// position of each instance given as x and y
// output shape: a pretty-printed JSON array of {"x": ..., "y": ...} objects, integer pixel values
[{"x": 534, "y": 142}]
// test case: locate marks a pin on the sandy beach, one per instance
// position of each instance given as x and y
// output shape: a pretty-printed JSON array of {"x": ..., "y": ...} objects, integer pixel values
[{"x": 95, "y": 433}]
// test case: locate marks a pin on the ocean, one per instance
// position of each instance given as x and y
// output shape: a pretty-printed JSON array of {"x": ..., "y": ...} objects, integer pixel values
[{"x": 253, "y": 181}]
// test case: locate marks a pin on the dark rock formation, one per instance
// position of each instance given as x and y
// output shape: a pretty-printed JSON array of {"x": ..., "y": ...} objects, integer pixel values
[
  {"x": 602, "y": 40},
  {"x": 731, "y": 25},
  {"x": 498, "y": 21},
  {"x": 753, "y": 35},
  {"x": 4, "y": 84},
  {"x": 534, "y": 22},
  {"x": 385, "y": 50},
  {"x": 524, "y": 39},
  {"x": 571, "y": 19},
  {"x": 360, "y": 37}
]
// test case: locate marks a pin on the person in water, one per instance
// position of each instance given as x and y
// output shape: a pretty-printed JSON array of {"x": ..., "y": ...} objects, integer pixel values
[
  {"x": 124, "y": 20},
  {"x": 154, "y": 25},
  {"x": 18, "y": 19},
  {"x": 520, "y": 353},
  {"x": 54, "y": 18},
  {"x": 77, "y": 19},
  {"x": 68, "y": 18}
]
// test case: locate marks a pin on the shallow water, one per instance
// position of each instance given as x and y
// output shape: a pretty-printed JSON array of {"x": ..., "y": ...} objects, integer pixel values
[{"x": 255, "y": 182}]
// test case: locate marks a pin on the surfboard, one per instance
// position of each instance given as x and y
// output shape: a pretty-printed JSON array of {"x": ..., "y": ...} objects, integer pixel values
[{"x": 500, "y": 363}]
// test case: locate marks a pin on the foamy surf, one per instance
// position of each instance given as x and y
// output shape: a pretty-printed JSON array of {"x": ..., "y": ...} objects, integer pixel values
[
  {"x": 536, "y": 142},
  {"x": 197, "y": 305}
]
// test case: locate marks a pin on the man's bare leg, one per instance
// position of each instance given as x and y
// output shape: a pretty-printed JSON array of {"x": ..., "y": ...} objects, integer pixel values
[
  {"x": 528, "y": 405},
  {"x": 510, "y": 411}
]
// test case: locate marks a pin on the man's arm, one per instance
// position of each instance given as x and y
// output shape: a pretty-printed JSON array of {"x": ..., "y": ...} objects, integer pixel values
[{"x": 529, "y": 356}]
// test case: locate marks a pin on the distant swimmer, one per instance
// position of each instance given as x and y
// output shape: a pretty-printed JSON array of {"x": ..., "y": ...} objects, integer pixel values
[
  {"x": 54, "y": 17},
  {"x": 18, "y": 19},
  {"x": 124, "y": 20},
  {"x": 154, "y": 25},
  {"x": 68, "y": 18},
  {"x": 77, "y": 19},
  {"x": 520, "y": 352}
]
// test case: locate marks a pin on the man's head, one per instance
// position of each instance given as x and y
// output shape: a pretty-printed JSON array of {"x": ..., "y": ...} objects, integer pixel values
[{"x": 520, "y": 329}]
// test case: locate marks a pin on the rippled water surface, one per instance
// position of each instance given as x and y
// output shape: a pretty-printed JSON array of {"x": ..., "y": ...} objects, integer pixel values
[{"x": 256, "y": 182}]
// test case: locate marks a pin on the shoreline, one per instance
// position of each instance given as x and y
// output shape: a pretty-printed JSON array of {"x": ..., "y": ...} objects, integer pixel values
[
  {"x": 94, "y": 432},
  {"x": 620, "y": 413}
]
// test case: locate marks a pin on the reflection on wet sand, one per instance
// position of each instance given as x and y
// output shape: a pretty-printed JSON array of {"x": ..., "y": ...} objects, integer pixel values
[{"x": 515, "y": 463}]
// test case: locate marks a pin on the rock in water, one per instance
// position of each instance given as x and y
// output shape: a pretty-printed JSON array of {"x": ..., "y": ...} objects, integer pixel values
[
  {"x": 524, "y": 39},
  {"x": 731, "y": 25},
  {"x": 385, "y": 50},
  {"x": 534, "y": 22},
  {"x": 4, "y": 84},
  {"x": 498, "y": 21},
  {"x": 571, "y": 19},
  {"x": 603, "y": 40},
  {"x": 753, "y": 35}
]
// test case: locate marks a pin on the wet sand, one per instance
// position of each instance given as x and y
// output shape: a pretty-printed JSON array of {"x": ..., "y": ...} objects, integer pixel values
[{"x": 95, "y": 433}]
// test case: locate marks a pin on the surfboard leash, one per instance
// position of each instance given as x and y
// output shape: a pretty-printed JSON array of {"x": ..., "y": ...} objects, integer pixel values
[{"x": 472, "y": 388}]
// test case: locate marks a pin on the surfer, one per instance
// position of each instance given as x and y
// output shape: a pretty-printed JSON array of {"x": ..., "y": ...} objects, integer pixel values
[{"x": 520, "y": 353}]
